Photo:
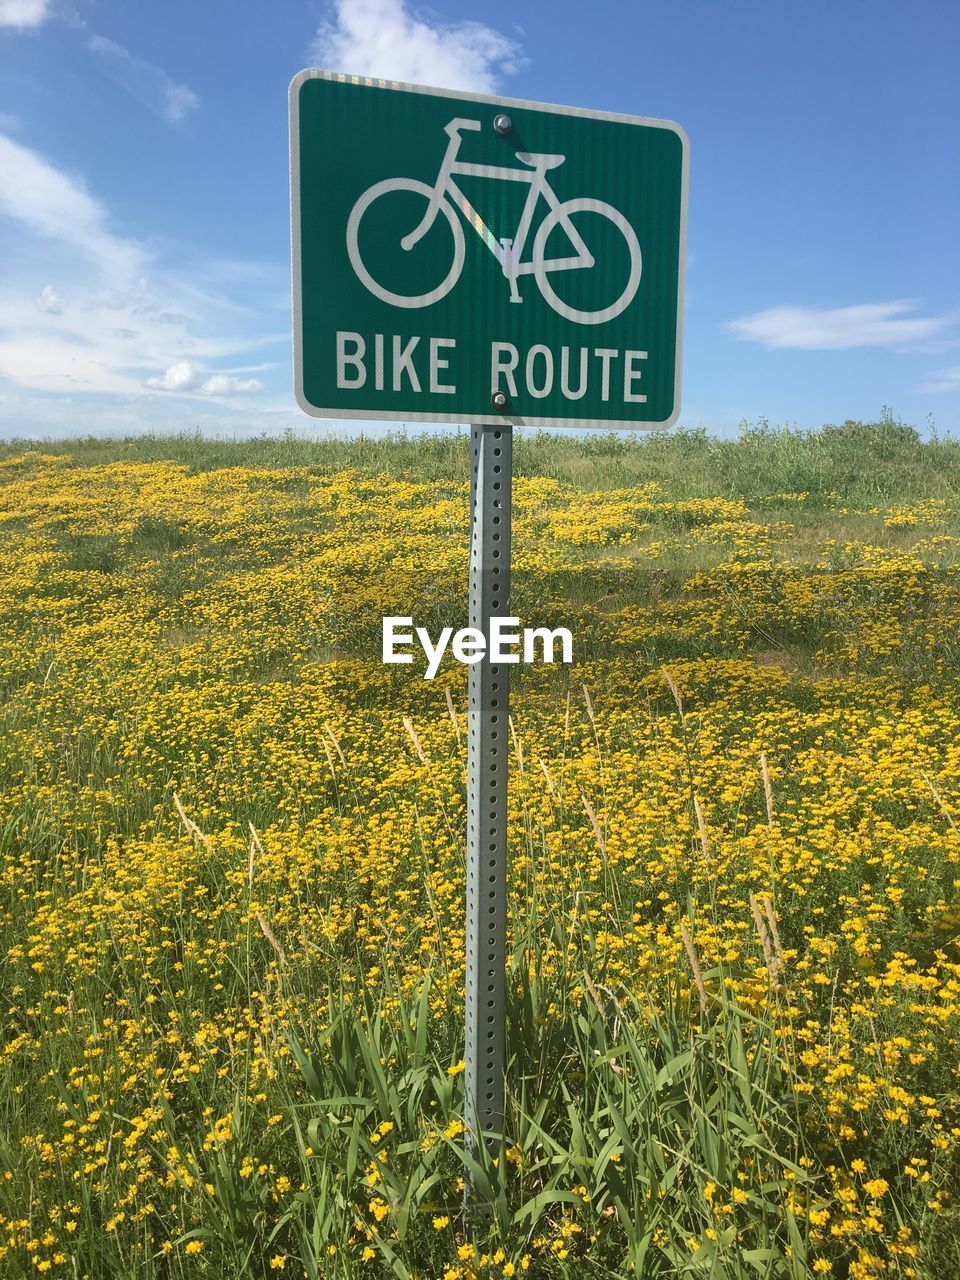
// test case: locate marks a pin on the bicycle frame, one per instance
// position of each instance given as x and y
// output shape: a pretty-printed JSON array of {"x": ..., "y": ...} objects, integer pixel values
[{"x": 508, "y": 251}]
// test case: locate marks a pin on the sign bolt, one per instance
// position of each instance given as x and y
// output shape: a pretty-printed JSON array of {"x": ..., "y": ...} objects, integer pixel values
[
  {"x": 499, "y": 400},
  {"x": 502, "y": 124}
]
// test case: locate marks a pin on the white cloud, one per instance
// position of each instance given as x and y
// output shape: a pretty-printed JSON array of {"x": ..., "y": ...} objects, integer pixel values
[
  {"x": 182, "y": 376},
  {"x": 117, "y": 313},
  {"x": 945, "y": 380},
  {"x": 187, "y": 376},
  {"x": 225, "y": 384},
  {"x": 882, "y": 324},
  {"x": 23, "y": 13},
  {"x": 148, "y": 84},
  {"x": 108, "y": 340},
  {"x": 48, "y": 361},
  {"x": 383, "y": 39},
  {"x": 40, "y": 416},
  {"x": 49, "y": 300},
  {"x": 58, "y": 207}
]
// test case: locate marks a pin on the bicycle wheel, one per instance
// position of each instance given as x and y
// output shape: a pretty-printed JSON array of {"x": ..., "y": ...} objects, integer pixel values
[
  {"x": 541, "y": 268},
  {"x": 381, "y": 190}
]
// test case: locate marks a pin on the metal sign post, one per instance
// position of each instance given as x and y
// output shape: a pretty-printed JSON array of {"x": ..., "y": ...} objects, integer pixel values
[
  {"x": 488, "y": 740},
  {"x": 458, "y": 257}
]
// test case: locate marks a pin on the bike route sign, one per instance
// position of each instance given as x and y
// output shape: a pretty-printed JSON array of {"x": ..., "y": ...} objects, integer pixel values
[{"x": 460, "y": 258}]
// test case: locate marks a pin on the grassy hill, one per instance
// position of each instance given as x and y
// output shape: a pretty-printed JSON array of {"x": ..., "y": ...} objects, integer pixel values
[{"x": 232, "y": 880}]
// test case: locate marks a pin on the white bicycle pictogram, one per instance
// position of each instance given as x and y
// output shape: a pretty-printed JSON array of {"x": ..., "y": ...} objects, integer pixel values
[{"x": 446, "y": 197}]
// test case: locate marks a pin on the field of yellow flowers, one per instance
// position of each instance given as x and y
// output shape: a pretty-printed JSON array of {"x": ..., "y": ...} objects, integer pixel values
[{"x": 231, "y": 851}]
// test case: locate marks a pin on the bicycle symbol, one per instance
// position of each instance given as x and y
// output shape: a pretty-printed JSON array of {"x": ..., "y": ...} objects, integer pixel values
[{"x": 446, "y": 197}]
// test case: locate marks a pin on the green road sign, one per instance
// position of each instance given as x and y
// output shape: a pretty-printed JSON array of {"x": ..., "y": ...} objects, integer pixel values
[{"x": 458, "y": 258}]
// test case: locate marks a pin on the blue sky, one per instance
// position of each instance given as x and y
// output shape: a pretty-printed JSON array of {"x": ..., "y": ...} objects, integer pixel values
[{"x": 144, "y": 208}]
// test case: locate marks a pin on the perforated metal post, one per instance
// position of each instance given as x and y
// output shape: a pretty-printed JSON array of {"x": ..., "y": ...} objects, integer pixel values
[{"x": 487, "y": 758}]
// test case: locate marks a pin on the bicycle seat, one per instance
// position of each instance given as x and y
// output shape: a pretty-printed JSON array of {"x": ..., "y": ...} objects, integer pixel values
[{"x": 539, "y": 159}]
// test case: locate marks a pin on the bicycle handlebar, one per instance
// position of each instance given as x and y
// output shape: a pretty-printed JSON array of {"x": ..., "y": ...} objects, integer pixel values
[{"x": 459, "y": 125}]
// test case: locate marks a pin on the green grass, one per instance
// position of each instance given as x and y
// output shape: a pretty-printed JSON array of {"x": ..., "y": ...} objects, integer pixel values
[
  {"x": 865, "y": 463},
  {"x": 633, "y": 1108},
  {"x": 623, "y": 1086}
]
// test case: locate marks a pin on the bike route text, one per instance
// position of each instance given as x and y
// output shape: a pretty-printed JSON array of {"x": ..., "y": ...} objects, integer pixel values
[{"x": 389, "y": 362}]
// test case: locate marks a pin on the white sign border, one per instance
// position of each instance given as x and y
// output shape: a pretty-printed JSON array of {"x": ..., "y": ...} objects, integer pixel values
[{"x": 516, "y": 420}]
